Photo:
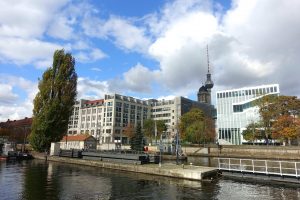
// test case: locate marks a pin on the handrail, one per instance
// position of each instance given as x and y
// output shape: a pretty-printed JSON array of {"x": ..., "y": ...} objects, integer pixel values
[{"x": 268, "y": 167}]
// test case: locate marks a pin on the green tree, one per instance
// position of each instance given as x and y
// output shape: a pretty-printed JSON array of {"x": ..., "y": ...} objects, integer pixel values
[
  {"x": 137, "y": 141},
  {"x": 149, "y": 128},
  {"x": 54, "y": 102},
  {"x": 253, "y": 132},
  {"x": 267, "y": 110},
  {"x": 160, "y": 127},
  {"x": 195, "y": 127}
]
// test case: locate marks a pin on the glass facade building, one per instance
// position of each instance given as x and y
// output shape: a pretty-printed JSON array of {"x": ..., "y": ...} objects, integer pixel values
[{"x": 236, "y": 109}]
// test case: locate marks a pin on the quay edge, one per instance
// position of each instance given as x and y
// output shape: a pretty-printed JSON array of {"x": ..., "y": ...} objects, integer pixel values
[{"x": 188, "y": 172}]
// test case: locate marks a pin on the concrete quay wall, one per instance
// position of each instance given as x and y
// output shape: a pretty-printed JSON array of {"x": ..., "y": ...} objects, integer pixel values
[
  {"x": 169, "y": 170},
  {"x": 258, "y": 152}
]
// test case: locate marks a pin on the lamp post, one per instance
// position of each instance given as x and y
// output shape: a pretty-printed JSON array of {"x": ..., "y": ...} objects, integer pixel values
[
  {"x": 160, "y": 148},
  {"x": 177, "y": 138},
  {"x": 24, "y": 140}
]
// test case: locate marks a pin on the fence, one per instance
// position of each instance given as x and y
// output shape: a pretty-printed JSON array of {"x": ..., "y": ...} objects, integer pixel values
[{"x": 267, "y": 167}]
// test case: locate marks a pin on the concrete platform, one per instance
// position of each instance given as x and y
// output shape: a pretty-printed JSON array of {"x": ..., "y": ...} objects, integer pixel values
[{"x": 188, "y": 172}]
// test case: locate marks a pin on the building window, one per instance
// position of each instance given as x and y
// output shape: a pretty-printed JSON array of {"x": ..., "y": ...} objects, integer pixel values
[{"x": 237, "y": 108}]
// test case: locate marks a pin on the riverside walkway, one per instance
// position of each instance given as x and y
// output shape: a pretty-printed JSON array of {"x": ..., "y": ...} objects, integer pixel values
[{"x": 189, "y": 172}]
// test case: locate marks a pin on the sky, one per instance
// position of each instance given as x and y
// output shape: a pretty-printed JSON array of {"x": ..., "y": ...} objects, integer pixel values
[{"x": 147, "y": 49}]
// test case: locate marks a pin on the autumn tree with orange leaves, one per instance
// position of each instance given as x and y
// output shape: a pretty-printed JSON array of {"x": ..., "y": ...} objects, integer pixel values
[
  {"x": 280, "y": 117},
  {"x": 286, "y": 128}
]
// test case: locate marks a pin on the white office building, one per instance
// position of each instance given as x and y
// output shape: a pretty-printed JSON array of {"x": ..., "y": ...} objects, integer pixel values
[
  {"x": 106, "y": 119},
  {"x": 235, "y": 110}
]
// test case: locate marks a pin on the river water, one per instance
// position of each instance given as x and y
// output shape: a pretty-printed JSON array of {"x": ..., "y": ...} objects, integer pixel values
[{"x": 39, "y": 180}]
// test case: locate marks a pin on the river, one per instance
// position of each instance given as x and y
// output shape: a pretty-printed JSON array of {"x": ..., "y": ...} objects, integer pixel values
[{"x": 40, "y": 180}]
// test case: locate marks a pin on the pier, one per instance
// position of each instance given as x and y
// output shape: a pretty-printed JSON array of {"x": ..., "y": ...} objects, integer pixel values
[{"x": 189, "y": 172}]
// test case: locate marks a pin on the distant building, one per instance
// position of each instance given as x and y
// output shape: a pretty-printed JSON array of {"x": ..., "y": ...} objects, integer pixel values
[
  {"x": 106, "y": 119},
  {"x": 204, "y": 93},
  {"x": 235, "y": 110},
  {"x": 19, "y": 129},
  {"x": 78, "y": 142}
]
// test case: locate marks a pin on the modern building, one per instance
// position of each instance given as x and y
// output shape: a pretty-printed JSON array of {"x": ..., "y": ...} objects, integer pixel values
[
  {"x": 106, "y": 119},
  {"x": 235, "y": 110}
]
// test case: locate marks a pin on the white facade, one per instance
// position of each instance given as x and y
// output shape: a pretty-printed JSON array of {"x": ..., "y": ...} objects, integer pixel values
[
  {"x": 235, "y": 110},
  {"x": 105, "y": 119}
]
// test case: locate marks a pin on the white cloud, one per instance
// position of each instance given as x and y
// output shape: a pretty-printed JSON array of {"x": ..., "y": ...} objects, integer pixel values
[
  {"x": 15, "y": 106},
  {"x": 27, "y": 19},
  {"x": 254, "y": 43},
  {"x": 7, "y": 96},
  {"x": 91, "y": 89},
  {"x": 139, "y": 79},
  {"x": 25, "y": 29},
  {"x": 61, "y": 28},
  {"x": 122, "y": 32},
  {"x": 97, "y": 69},
  {"x": 90, "y": 56},
  {"x": 268, "y": 32},
  {"x": 26, "y": 51}
]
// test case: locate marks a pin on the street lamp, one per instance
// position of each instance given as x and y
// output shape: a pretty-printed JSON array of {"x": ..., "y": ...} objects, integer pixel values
[{"x": 177, "y": 138}]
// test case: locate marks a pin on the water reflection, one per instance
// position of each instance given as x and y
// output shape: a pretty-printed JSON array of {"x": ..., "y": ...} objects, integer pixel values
[
  {"x": 32, "y": 180},
  {"x": 202, "y": 161}
]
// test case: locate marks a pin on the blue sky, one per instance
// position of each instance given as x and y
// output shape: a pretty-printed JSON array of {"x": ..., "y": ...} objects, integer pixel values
[{"x": 147, "y": 49}]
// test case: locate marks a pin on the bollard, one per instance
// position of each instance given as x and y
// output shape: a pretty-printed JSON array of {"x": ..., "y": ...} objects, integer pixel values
[{"x": 182, "y": 166}]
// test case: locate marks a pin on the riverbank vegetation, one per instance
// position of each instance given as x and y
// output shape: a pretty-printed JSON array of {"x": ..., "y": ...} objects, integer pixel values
[
  {"x": 279, "y": 120},
  {"x": 54, "y": 102},
  {"x": 196, "y": 128}
]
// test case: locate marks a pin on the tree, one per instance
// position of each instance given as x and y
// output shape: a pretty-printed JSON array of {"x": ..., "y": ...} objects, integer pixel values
[
  {"x": 195, "y": 127},
  {"x": 54, "y": 102},
  {"x": 137, "y": 141},
  {"x": 160, "y": 127},
  {"x": 253, "y": 132},
  {"x": 149, "y": 128},
  {"x": 286, "y": 128},
  {"x": 279, "y": 116},
  {"x": 129, "y": 131},
  {"x": 267, "y": 110}
]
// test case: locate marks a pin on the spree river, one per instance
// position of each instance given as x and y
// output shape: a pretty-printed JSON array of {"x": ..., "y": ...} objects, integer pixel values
[{"x": 41, "y": 180}]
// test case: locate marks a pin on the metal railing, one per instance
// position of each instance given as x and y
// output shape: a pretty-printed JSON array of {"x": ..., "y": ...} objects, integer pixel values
[{"x": 267, "y": 167}]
